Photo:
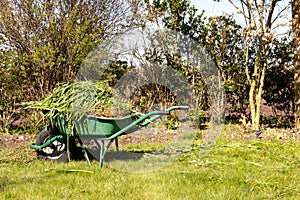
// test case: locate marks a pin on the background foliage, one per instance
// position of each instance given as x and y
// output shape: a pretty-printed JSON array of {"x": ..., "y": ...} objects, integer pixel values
[
  {"x": 43, "y": 44},
  {"x": 47, "y": 41}
]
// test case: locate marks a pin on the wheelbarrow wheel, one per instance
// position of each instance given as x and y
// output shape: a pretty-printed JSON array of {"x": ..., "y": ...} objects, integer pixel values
[{"x": 56, "y": 151}]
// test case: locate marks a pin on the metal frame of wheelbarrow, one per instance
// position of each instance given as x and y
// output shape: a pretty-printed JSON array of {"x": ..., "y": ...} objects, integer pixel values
[{"x": 96, "y": 125}]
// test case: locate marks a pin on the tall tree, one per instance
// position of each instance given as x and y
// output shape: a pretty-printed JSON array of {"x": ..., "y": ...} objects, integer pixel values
[
  {"x": 260, "y": 18},
  {"x": 51, "y": 38},
  {"x": 48, "y": 41},
  {"x": 224, "y": 39},
  {"x": 296, "y": 38},
  {"x": 180, "y": 16}
]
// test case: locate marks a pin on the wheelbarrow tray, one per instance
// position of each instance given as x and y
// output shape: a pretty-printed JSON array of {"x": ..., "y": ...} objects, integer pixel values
[
  {"x": 90, "y": 126},
  {"x": 102, "y": 127},
  {"x": 99, "y": 128}
]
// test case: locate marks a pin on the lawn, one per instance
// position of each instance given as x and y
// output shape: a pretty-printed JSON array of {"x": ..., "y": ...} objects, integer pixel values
[{"x": 233, "y": 169}]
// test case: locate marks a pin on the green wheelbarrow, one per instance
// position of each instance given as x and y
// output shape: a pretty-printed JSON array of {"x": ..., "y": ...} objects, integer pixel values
[{"x": 58, "y": 143}]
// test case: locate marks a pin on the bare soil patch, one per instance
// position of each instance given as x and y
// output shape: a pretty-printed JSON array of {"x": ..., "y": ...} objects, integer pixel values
[{"x": 16, "y": 141}]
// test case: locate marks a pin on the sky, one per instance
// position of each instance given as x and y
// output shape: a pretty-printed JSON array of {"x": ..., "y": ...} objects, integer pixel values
[
  {"x": 214, "y": 8},
  {"x": 224, "y": 7}
]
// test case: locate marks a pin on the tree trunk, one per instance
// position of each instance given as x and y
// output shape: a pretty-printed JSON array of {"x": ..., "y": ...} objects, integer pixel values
[
  {"x": 296, "y": 38},
  {"x": 256, "y": 87}
]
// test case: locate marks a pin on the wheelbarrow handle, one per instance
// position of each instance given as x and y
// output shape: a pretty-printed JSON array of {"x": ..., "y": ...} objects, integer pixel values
[
  {"x": 178, "y": 108},
  {"x": 162, "y": 112},
  {"x": 183, "y": 107}
]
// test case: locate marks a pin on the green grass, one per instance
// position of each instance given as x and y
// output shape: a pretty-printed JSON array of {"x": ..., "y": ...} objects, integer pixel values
[{"x": 232, "y": 169}]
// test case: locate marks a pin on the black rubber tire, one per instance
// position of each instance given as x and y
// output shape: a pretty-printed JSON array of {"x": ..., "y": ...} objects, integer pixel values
[{"x": 56, "y": 151}]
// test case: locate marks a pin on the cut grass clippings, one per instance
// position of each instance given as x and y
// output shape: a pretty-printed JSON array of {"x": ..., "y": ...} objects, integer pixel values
[{"x": 232, "y": 169}]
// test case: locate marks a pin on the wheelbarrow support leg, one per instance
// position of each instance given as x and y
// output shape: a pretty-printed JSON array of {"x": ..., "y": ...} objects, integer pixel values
[
  {"x": 102, "y": 148},
  {"x": 83, "y": 150},
  {"x": 85, "y": 156},
  {"x": 117, "y": 144}
]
